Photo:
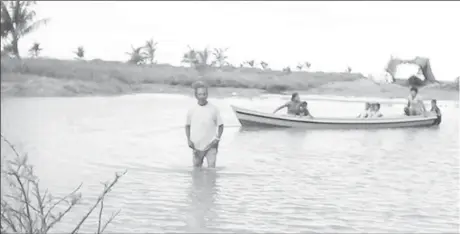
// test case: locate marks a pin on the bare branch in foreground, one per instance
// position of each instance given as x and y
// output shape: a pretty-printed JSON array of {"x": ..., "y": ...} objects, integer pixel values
[{"x": 21, "y": 214}]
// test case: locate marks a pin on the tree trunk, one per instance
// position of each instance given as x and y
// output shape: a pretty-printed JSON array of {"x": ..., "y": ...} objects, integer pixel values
[{"x": 15, "y": 47}]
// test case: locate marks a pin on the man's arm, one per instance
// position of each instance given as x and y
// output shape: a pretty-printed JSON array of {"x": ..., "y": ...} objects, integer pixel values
[
  {"x": 187, "y": 132},
  {"x": 220, "y": 131},
  {"x": 187, "y": 129},
  {"x": 281, "y": 107},
  {"x": 188, "y": 122},
  {"x": 219, "y": 123}
]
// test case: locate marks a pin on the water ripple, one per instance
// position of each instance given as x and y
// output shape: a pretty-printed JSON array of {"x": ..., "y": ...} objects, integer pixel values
[{"x": 372, "y": 181}]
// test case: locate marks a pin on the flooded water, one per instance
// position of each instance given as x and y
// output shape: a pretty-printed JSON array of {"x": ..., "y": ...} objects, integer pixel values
[{"x": 399, "y": 180}]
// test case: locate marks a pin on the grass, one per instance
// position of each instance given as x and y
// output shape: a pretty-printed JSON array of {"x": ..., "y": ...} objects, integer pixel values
[
  {"x": 128, "y": 74},
  {"x": 53, "y": 77}
]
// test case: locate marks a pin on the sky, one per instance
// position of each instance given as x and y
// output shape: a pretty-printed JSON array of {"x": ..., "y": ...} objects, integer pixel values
[{"x": 329, "y": 35}]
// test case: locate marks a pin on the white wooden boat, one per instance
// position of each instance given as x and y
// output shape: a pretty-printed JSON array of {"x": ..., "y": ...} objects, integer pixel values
[{"x": 251, "y": 118}]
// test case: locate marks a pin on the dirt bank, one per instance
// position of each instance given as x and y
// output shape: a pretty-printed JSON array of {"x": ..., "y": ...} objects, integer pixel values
[{"x": 50, "y": 77}]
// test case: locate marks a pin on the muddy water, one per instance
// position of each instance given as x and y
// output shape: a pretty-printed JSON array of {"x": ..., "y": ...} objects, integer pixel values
[{"x": 400, "y": 180}]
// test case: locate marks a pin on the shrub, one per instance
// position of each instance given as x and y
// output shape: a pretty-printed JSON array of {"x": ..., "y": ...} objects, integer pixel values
[{"x": 26, "y": 208}]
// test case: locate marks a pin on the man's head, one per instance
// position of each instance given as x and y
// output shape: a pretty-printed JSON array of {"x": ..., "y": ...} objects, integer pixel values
[
  {"x": 295, "y": 97},
  {"x": 377, "y": 106},
  {"x": 201, "y": 92},
  {"x": 433, "y": 102},
  {"x": 413, "y": 91}
]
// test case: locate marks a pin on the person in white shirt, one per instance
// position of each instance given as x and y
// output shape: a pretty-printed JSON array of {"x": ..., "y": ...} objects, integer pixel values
[
  {"x": 203, "y": 128},
  {"x": 415, "y": 105},
  {"x": 375, "y": 113}
]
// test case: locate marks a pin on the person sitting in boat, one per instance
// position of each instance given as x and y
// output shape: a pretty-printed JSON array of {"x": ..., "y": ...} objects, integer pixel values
[
  {"x": 366, "y": 112},
  {"x": 415, "y": 104},
  {"x": 435, "y": 109},
  {"x": 303, "y": 110},
  {"x": 375, "y": 113},
  {"x": 292, "y": 105}
]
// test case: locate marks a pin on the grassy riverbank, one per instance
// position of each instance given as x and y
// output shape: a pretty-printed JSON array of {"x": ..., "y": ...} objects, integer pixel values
[{"x": 52, "y": 77}]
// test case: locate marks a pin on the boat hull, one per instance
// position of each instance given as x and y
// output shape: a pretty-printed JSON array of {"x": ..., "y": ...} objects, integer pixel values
[{"x": 249, "y": 118}]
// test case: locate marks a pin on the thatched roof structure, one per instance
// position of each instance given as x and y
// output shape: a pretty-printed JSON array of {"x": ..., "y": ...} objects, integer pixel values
[{"x": 423, "y": 63}]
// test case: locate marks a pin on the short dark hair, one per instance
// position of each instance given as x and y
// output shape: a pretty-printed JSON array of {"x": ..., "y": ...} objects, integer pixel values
[
  {"x": 294, "y": 95},
  {"x": 414, "y": 89},
  {"x": 434, "y": 100},
  {"x": 199, "y": 84}
]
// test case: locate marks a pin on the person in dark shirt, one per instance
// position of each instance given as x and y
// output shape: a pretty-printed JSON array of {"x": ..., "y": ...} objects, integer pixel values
[
  {"x": 435, "y": 109},
  {"x": 303, "y": 110}
]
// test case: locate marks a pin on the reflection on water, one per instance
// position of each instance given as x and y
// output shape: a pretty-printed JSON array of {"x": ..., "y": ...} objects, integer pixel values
[
  {"x": 267, "y": 180},
  {"x": 202, "y": 196}
]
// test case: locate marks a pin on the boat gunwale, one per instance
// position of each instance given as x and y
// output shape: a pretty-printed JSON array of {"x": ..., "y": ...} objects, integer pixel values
[{"x": 407, "y": 119}]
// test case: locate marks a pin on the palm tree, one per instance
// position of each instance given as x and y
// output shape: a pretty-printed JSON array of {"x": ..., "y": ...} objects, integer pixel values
[
  {"x": 203, "y": 57},
  {"x": 151, "y": 48},
  {"x": 136, "y": 56},
  {"x": 17, "y": 20},
  {"x": 287, "y": 70},
  {"x": 250, "y": 63},
  {"x": 35, "y": 50},
  {"x": 300, "y": 66},
  {"x": 197, "y": 59},
  {"x": 349, "y": 69},
  {"x": 220, "y": 59},
  {"x": 264, "y": 65},
  {"x": 190, "y": 57},
  {"x": 80, "y": 53}
]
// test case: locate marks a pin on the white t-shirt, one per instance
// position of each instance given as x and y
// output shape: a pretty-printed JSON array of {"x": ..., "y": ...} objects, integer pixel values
[
  {"x": 416, "y": 103},
  {"x": 375, "y": 114},
  {"x": 204, "y": 122}
]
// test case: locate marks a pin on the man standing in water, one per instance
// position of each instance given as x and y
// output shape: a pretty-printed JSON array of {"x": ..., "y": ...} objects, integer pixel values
[{"x": 203, "y": 128}]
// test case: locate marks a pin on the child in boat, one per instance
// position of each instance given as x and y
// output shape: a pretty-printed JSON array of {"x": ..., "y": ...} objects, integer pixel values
[
  {"x": 303, "y": 110},
  {"x": 366, "y": 112},
  {"x": 376, "y": 111},
  {"x": 435, "y": 109}
]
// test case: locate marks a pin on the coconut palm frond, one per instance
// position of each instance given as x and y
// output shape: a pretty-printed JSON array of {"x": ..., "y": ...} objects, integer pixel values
[
  {"x": 35, "y": 49},
  {"x": 18, "y": 20}
]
